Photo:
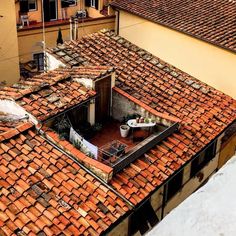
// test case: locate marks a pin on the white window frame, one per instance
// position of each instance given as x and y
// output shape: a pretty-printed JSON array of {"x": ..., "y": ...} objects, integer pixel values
[
  {"x": 37, "y": 53},
  {"x": 56, "y": 3},
  {"x": 93, "y": 3},
  {"x": 75, "y": 4},
  {"x": 72, "y": 4},
  {"x": 36, "y": 7}
]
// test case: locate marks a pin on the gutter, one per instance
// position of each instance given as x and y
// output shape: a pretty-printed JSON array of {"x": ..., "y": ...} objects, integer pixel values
[
  {"x": 131, "y": 206},
  {"x": 181, "y": 168},
  {"x": 40, "y": 131},
  {"x": 70, "y": 108}
]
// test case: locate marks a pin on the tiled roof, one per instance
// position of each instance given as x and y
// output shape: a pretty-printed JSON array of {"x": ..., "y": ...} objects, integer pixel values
[
  {"x": 44, "y": 192},
  {"x": 101, "y": 170},
  {"x": 204, "y": 112},
  {"x": 212, "y": 21},
  {"x": 87, "y": 72},
  {"x": 11, "y": 127},
  {"x": 48, "y": 94}
]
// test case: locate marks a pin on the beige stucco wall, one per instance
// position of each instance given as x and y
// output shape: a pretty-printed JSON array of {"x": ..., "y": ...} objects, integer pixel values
[
  {"x": 29, "y": 40},
  {"x": 121, "y": 229},
  {"x": 210, "y": 64},
  {"x": 227, "y": 151},
  {"x": 192, "y": 185},
  {"x": 9, "y": 60}
]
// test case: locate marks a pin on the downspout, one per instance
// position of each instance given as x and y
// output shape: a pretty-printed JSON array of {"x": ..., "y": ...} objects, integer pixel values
[
  {"x": 75, "y": 29},
  {"x": 44, "y": 136},
  {"x": 163, "y": 202},
  {"x": 117, "y": 22},
  {"x": 71, "y": 28}
]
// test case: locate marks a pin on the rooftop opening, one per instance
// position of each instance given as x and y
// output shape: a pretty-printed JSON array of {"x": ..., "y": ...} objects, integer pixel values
[
  {"x": 118, "y": 152},
  {"x": 111, "y": 128}
]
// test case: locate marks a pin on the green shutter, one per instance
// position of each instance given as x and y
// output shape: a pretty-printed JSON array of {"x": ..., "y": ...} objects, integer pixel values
[
  {"x": 87, "y": 3},
  {"x": 24, "y": 6},
  {"x": 96, "y": 4}
]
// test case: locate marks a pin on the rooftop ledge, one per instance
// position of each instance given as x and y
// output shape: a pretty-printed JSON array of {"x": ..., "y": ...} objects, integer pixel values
[
  {"x": 142, "y": 147},
  {"x": 146, "y": 107},
  {"x": 56, "y": 23},
  {"x": 105, "y": 171}
]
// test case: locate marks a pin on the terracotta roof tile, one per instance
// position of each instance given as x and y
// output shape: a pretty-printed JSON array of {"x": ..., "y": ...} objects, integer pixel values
[
  {"x": 34, "y": 199},
  {"x": 202, "y": 111},
  {"x": 45, "y": 95},
  {"x": 212, "y": 21}
]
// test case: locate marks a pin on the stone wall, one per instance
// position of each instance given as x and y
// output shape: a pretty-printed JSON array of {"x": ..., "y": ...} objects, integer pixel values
[{"x": 122, "y": 106}]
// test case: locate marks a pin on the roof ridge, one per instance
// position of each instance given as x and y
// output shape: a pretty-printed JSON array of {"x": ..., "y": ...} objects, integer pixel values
[
  {"x": 172, "y": 14},
  {"x": 146, "y": 107},
  {"x": 15, "y": 131}
]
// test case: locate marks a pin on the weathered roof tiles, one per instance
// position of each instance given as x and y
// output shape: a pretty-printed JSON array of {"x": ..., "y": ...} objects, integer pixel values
[
  {"x": 211, "y": 21},
  {"x": 44, "y": 191},
  {"x": 48, "y": 94},
  {"x": 202, "y": 111}
]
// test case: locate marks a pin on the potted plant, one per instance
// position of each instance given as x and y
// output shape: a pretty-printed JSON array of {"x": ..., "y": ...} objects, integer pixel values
[{"x": 124, "y": 131}]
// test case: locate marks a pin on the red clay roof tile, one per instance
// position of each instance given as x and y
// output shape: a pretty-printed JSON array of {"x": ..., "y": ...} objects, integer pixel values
[
  {"x": 41, "y": 202},
  {"x": 211, "y": 21}
]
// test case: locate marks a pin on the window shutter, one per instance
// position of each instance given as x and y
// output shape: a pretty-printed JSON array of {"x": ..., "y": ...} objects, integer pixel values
[
  {"x": 96, "y": 4},
  {"x": 64, "y": 4},
  {"x": 87, "y": 3},
  {"x": 24, "y": 6}
]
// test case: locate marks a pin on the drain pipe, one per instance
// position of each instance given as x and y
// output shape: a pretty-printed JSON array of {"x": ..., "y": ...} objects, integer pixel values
[
  {"x": 71, "y": 28},
  {"x": 40, "y": 131},
  {"x": 75, "y": 29}
]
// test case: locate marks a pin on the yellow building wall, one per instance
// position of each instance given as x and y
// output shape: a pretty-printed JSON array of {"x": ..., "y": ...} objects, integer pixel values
[
  {"x": 121, "y": 229},
  {"x": 192, "y": 185},
  {"x": 208, "y": 63},
  {"x": 29, "y": 40},
  {"x": 9, "y": 60},
  {"x": 227, "y": 151}
]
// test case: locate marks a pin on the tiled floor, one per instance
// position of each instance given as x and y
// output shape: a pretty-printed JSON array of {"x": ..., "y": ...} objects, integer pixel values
[{"x": 110, "y": 132}]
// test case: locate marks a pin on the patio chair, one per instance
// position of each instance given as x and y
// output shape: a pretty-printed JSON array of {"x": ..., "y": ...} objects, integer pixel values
[{"x": 24, "y": 20}]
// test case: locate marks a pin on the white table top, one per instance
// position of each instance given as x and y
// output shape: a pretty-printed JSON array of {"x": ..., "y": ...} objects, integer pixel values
[{"x": 133, "y": 124}]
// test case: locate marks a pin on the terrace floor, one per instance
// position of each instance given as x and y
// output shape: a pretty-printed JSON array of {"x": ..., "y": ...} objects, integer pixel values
[{"x": 110, "y": 132}]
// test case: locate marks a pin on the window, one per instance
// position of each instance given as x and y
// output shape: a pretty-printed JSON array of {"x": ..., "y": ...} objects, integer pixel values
[
  {"x": 197, "y": 164},
  {"x": 24, "y": 6},
  {"x": 92, "y": 3},
  {"x": 39, "y": 61},
  {"x": 142, "y": 219},
  {"x": 174, "y": 185},
  {"x": 68, "y": 3},
  {"x": 32, "y": 5},
  {"x": 203, "y": 158}
]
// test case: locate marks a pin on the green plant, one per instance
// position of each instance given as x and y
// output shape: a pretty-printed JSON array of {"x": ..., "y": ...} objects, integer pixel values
[
  {"x": 153, "y": 120},
  {"x": 129, "y": 117},
  {"x": 97, "y": 127},
  {"x": 77, "y": 144},
  {"x": 146, "y": 120}
]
